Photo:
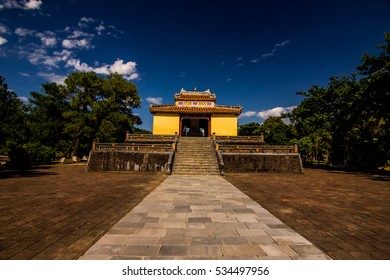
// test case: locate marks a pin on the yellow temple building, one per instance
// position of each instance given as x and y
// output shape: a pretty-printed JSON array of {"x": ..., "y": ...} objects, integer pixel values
[{"x": 195, "y": 114}]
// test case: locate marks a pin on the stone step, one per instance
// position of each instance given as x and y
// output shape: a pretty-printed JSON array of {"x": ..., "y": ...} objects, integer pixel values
[
  {"x": 183, "y": 157},
  {"x": 196, "y": 165},
  {"x": 194, "y": 174},
  {"x": 195, "y": 153},
  {"x": 195, "y": 159},
  {"x": 188, "y": 171},
  {"x": 199, "y": 166},
  {"x": 196, "y": 162},
  {"x": 188, "y": 168},
  {"x": 185, "y": 148},
  {"x": 195, "y": 156},
  {"x": 199, "y": 160},
  {"x": 195, "y": 171},
  {"x": 193, "y": 148}
]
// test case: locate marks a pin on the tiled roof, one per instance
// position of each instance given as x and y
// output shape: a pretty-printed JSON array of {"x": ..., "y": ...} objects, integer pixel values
[{"x": 231, "y": 110}]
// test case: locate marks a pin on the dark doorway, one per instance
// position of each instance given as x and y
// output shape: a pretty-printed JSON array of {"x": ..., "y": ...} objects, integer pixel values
[{"x": 196, "y": 126}]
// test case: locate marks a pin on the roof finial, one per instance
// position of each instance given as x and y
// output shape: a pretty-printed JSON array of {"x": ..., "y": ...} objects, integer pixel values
[{"x": 195, "y": 89}]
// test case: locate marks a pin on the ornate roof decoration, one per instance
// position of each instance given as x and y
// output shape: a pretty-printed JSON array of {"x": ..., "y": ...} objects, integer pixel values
[
  {"x": 195, "y": 95},
  {"x": 217, "y": 109},
  {"x": 195, "y": 107}
]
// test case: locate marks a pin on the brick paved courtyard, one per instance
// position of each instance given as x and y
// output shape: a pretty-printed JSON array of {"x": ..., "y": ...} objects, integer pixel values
[
  {"x": 347, "y": 215},
  {"x": 58, "y": 212}
]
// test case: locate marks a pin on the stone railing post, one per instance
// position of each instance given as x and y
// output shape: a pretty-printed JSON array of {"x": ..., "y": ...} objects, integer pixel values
[
  {"x": 94, "y": 144},
  {"x": 295, "y": 148},
  {"x": 261, "y": 137},
  {"x": 221, "y": 164}
]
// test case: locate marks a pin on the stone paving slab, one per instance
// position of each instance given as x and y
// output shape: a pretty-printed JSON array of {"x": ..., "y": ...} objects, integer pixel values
[{"x": 201, "y": 217}]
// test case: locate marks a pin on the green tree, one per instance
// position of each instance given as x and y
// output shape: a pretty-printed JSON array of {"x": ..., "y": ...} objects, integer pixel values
[
  {"x": 249, "y": 129},
  {"x": 66, "y": 118},
  {"x": 275, "y": 131},
  {"x": 349, "y": 119},
  {"x": 46, "y": 122},
  {"x": 99, "y": 108},
  {"x": 12, "y": 127},
  {"x": 115, "y": 110},
  {"x": 371, "y": 131}
]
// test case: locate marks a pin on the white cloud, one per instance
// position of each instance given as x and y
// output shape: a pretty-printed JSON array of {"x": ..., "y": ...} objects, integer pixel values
[
  {"x": 48, "y": 38},
  {"x": 268, "y": 54},
  {"x": 40, "y": 56},
  {"x": 25, "y": 5},
  {"x": 228, "y": 80},
  {"x": 33, "y": 4},
  {"x": 84, "y": 22},
  {"x": 282, "y": 44},
  {"x": 49, "y": 42},
  {"x": 275, "y": 112},
  {"x": 24, "y": 74},
  {"x": 255, "y": 60},
  {"x": 247, "y": 114},
  {"x": 77, "y": 44},
  {"x": 127, "y": 70},
  {"x": 82, "y": 67},
  {"x": 23, "y": 98},
  {"x": 52, "y": 49},
  {"x": 276, "y": 47},
  {"x": 154, "y": 100},
  {"x": 24, "y": 32},
  {"x": 3, "y": 41},
  {"x": 53, "y": 77},
  {"x": 100, "y": 29},
  {"x": 3, "y": 29},
  {"x": 78, "y": 33}
]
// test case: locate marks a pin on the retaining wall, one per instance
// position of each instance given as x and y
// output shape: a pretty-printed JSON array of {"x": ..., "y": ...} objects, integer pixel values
[
  {"x": 262, "y": 162},
  {"x": 127, "y": 161}
]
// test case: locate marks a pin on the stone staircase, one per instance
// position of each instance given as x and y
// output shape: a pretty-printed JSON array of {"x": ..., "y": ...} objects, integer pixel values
[{"x": 195, "y": 156}]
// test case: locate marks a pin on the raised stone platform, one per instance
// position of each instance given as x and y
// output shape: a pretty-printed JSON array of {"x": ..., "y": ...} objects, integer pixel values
[
  {"x": 194, "y": 155},
  {"x": 245, "y": 154},
  {"x": 262, "y": 162},
  {"x": 128, "y": 161}
]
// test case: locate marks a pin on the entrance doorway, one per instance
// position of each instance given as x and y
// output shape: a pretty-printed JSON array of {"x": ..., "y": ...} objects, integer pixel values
[{"x": 196, "y": 126}]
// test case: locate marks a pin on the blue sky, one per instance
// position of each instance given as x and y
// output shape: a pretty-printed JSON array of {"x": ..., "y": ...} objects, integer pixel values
[{"x": 254, "y": 53}]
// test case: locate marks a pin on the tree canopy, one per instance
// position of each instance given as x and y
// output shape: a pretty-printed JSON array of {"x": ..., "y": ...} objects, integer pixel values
[
  {"x": 344, "y": 124},
  {"x": 63, "y": 120},
  {"x": 349, "y": 120}
]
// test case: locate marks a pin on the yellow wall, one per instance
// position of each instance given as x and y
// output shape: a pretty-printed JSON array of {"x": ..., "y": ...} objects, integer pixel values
[
  {"x": 167, "y": 124},
  {"x": 224, "y": 125}
]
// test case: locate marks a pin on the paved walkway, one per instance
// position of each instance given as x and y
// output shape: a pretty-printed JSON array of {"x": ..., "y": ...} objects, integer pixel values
[{"x": 201, "y": 217}]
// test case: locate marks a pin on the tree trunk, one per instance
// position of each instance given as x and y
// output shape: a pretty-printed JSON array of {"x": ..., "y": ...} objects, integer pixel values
[
  {"x": 70, "y": 147},
  {"x": 76, "y": 149}
]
